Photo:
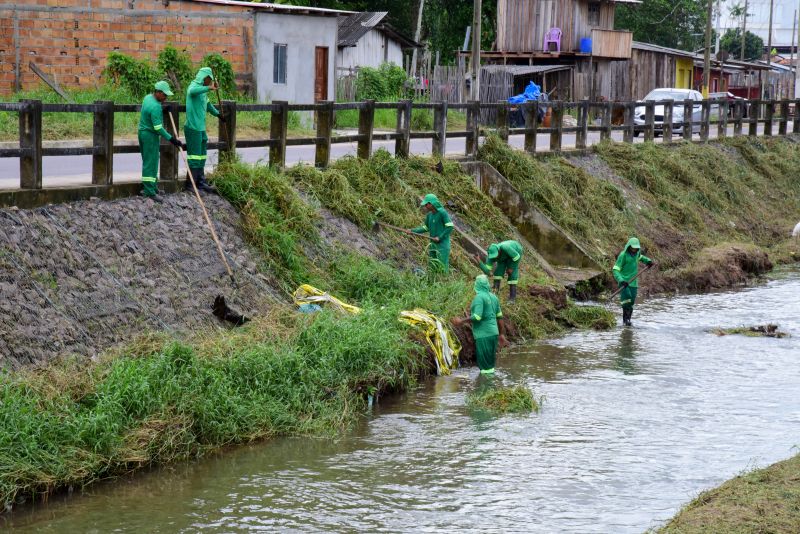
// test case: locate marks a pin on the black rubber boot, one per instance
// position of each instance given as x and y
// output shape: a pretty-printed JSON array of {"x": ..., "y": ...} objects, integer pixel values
[
  {"x": 203, "y": 185},
  {"x": 496, "y": 286},
  {"x": 187, "y": 185},
  {"x": 626, "y": 316},
  {"x": 512, "y": 292}
]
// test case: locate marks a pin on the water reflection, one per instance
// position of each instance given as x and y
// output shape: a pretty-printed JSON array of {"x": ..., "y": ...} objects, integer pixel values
[{"x": 625, "y": 359}]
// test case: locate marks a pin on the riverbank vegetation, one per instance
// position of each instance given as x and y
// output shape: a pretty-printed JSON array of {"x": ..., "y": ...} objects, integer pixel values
[
  {"x": 763, "y": 500},
  {"x": 166, "y": 397},
  {"x": 708, "y": 213}
]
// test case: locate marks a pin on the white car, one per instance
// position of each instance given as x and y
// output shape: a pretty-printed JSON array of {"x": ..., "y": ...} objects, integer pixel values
[{"x": 660, "y": 95}]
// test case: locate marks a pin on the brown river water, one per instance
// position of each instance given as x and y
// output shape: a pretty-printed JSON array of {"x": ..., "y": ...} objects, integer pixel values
[{"x": 634, "y": 423}]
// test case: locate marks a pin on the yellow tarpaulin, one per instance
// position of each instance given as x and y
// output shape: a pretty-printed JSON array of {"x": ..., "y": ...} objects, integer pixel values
[
  {"x": 441, "y": 339},
  {"x": 307, "y": 294}
]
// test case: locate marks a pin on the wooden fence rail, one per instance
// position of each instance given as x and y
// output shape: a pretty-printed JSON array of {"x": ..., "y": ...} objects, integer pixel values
[{"x": 650, "y": 119}]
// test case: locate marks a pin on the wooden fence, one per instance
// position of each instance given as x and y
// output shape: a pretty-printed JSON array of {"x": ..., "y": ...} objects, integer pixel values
[{"x": 745, "y": 117}]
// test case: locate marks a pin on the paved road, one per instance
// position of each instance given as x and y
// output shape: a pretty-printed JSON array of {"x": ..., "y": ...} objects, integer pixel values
[{"x": 76, "y": 170}]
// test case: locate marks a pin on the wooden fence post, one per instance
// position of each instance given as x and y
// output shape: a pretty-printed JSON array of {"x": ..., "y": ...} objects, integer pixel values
[
  {"x": 168, "y": 163},
  {"x": 227, "y": 130},
  {"x": 782, "y": 127},
  {"x": 103, "y": 143},
  {"x": 502, "y": 120},
  {"x": 530, "y": 111},
  {"x": 366, "y": 121},
  {"x": 649, "y": 120},
  {"x": 755, "y": 114},
  {"x": 440, "y": 129},
  {"x": 722, "y": 125},
  {"x": 627, "y": 134},
  {"x": 402, "y": 145},
  {"x": 30, "y": 142},
  {"x": 557, "y": 126},
  {"x": 796, "y": 121},
  {"x": 605, "y": 122},
  {"x": 738, "y": 115},
  {"x": 473, "y": 127},
  {"x": 279, "y": 125},
  {"x": 688, "y": 118},
  {"x": 705, "y": 125},
  {"x": 322, "y": 155},
  {"x": 583, "y": 125},
  {"x": 666, "y": 124},
  {"x": 769, "y": 115}
]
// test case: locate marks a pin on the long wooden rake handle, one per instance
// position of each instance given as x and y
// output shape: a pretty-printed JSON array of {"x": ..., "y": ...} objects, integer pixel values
[
  {"x": 386, "y": 225},
  {"x": 618, "y": 291},
  {"x": 203, "y": 206}
]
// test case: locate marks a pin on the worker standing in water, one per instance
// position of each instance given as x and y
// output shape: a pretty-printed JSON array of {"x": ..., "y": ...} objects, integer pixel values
[
  {"x": 625, "y": 271},
  {"x": 197, "y": 105},
  {"x": 502, "y": 259},
  {"x": 151, "y": 126},
  {"x": 488, "y": 329},
  {"x": 439, "y": 226}
]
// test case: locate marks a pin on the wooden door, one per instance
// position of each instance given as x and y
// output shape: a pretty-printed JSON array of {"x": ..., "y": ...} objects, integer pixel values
[{"x": 321, "y": 73}]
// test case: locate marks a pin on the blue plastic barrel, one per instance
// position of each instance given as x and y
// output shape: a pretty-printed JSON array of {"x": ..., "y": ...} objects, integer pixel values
[{"x": 586, "y": 45}]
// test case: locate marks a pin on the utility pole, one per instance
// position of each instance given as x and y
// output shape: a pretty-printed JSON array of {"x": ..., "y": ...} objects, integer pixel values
[
  {"x": 796, "y": 69},
  {"x": 769, "y": 51},
  {"x": 744, "y": 29},
  {"x": 719, "y": 23},
  {"x": 791, "y": 50},
  {"x": 417, "y": 35},
  {"x": 707, "y": 59},
  {"x": 476, "y": 51}
]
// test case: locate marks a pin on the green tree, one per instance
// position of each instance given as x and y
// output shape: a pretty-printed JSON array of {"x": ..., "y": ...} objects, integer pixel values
[
  {"x": 671, "y": 23},
  {"x": 731, "y": 41}
]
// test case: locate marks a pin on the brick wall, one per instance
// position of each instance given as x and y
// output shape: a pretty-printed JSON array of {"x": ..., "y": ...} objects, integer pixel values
[{"x": 70, "y": 39}]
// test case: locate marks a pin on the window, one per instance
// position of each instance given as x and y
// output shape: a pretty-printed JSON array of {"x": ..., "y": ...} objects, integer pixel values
[
  {"x": 279, "y": 64},
  {"x": 594, "y": 13}
]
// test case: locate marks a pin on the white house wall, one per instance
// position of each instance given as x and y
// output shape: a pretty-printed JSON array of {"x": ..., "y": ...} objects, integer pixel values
[
  {"x": 301, "y": 34},
  {"x": 373, "y": 49}
]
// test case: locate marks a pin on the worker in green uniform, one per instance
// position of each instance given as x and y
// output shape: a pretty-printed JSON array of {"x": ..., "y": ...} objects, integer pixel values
[
  {"x": 505, "y": 258},
  {"x": 151, "y": 126},
  {"x": 625, "y": 271},
  {"x": 439, "y": 226},
  {"x": 488, "y": 329},
  {"x": 197, "y": 105}
]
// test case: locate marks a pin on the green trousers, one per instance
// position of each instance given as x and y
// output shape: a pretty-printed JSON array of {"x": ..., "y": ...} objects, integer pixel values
[
  {"x": 485, "y": 353},
  {"x": 149, "y": 147},
  {"x": 439, "y": 257},
  {"x": 627, "y": 297},
  {"x": 503, "y": 266},
  {"x": 196, "y": 148}
]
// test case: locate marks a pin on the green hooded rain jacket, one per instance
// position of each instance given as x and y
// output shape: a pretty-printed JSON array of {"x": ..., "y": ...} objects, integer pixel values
[
  {"x": 627, "y": 265},
  {"x": 197, "y": 103},
  {"x": 437, "y": 224},
  {"x": 484, "y": 310}
]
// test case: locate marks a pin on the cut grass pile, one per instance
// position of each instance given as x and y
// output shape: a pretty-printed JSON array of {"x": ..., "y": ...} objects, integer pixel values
[
  {"x": 678, "y": 199},
  {"x": 767, "y": 330},
  {"x": 763, "y": 500},
  {"x": 503, "y": 399}
]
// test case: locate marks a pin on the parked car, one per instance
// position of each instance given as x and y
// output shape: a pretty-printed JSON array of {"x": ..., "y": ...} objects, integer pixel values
[
  {"x": 732, "y": 98},
  {"x": 660, "y": 95}
]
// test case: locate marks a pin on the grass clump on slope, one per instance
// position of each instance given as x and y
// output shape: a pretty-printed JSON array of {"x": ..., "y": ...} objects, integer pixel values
[{"x": 170, "y": 400}]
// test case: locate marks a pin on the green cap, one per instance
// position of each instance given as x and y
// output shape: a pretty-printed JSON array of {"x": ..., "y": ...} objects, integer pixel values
[
  {"x": 163, "y": 87},
  {"x": 492, "y": 252}
]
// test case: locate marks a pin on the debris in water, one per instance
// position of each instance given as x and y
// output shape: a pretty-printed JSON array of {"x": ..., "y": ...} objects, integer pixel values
[
  {"x": 221, "y": 310},
  {"x": 768, "y": 330},
  {"x": 502, "y": 399}
]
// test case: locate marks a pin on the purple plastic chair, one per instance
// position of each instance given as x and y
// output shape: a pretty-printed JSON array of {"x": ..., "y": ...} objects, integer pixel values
[{"x": 552, "y": 37}]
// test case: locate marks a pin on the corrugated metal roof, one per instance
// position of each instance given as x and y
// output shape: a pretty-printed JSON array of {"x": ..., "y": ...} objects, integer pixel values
[
  {"x": 354, "y": 27},
  {"x": 279, "y": 8},
  {"x": 662, "y": 49},
  {"x": 520, "y": 70}
]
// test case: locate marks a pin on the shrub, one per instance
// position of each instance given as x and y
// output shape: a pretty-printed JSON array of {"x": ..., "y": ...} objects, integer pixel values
[
  {"x": 223, "y": 72},
  {"x": 388, "y": 82},
  {"x": 176, "y": 65},
  {"x": 137, "y": 76}
]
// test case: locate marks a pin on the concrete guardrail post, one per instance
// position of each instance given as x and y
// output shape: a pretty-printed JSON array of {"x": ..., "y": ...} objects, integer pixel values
[
  {"x": 30, "y": 142},
  {"x": 439, "y": 143},
  {"x": 103, "y": 143},
  {"x": 366, "y": 121},
  {"x": 322, "y": 155},
  {"x": 278, "y": 131},
  {"x": 530, "y": 111},
  {"x": 402, "y": 144}
]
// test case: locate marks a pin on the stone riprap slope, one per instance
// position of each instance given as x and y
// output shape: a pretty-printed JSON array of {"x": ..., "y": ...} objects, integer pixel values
[{"x": 81, "y": 277}]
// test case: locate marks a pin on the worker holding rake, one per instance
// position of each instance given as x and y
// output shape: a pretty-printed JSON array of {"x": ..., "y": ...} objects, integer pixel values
[
  {"x": 151, "y": 126},
  {"x": 502, "y": 259},
  {"x": 439, "y": 226},
  {"x": 197, "y": 105},
  {"x": 626, "y": 273}
]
